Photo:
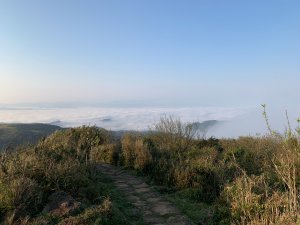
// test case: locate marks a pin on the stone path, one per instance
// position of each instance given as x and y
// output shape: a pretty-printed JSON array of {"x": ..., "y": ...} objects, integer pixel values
[{"x": 154, "y": 208}]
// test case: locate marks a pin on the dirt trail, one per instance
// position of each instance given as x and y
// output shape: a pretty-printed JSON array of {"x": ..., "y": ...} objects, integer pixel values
[{"x": 154, "y": 208}]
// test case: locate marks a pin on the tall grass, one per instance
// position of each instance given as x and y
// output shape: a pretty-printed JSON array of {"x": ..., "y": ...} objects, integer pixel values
[
  {"x": 249, "y": 180},
  {"x": 64, "y": 161}
]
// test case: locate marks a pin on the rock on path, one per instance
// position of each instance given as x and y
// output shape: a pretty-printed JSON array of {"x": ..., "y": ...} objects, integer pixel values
[{"x": 154, "y": 208}]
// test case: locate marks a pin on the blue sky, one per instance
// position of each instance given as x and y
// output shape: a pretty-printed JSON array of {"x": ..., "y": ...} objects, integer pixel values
[{"x": 187, "y": 53}]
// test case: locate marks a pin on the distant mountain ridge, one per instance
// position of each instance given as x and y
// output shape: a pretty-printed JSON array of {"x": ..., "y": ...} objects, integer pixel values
[
  {"x": 16, "y": 134},
  {"x": 205, "y": 125}
]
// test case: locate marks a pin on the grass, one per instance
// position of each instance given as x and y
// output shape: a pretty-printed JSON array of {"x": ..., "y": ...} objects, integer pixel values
[
  {"x": 193, "y": 209},
  {"x": 128, "y": 210},
  {"x": 122, "y": 212},
  {"x": 243, "y": 181},
  {"x": 196, "y": 211},
  {"x": 61, "y": 163},
  {"x": 249, "y": 180}
]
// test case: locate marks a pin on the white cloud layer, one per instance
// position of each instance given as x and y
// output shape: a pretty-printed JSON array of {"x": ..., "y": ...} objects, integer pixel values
[{"x": 237, "y": 121}]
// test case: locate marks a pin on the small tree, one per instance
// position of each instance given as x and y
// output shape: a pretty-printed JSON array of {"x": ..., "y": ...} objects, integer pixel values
[{"x": 173, "y": 135}]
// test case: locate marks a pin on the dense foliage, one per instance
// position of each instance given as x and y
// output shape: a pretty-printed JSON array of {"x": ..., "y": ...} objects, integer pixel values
[
  {"x": 60, "y": 163},
  {"x": 249, "y": 180}
]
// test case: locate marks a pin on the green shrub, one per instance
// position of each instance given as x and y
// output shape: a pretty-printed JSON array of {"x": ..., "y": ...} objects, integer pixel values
[
  {"x": 20, "y": 197},
  {"x": 108, "y": 153},
  {"x": 253, "y": 202},
  {"x": 135, "y": 152},
  {"x": 61, "y": 162}
]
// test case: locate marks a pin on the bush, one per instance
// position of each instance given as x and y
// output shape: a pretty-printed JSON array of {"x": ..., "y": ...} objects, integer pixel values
[
  {"x": 135, "y": 152},
  {"x": 249, "y": 180},
  {"x": 108, "y": 153},
  {"x": 101, "y": 215},
  {"x": 170, "y": 134},
  {"x": 61, "y": 162},
  {"x": 20, "y": 195},
  {"x": 253, "y": 202}
]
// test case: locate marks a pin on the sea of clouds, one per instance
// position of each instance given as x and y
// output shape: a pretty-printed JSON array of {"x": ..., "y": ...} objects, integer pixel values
[{"x": 236, "y": 121}]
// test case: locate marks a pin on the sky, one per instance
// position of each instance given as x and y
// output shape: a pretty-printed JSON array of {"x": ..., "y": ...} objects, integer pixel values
[{"x": 169, "y": 53}]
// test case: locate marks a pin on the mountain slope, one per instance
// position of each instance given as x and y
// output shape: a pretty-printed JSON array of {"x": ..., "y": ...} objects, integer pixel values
[{"x": 12, "y": 135}]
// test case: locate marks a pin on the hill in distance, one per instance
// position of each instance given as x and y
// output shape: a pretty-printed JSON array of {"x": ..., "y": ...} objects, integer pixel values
[
  {"x": 17, "y": 134},
  {"x": 205, "y": 125},
  {"x": 202, "y": 128},
  {"x": 199, "y": 128}
]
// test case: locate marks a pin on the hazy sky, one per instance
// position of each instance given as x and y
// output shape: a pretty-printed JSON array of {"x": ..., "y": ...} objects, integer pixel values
[{"x": 196, "y": 53}]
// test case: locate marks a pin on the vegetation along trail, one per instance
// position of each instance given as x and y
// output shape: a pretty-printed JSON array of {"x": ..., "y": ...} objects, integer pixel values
[{"x": 153, "y": 207}]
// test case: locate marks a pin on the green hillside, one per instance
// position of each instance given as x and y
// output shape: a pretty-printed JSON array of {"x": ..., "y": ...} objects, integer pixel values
[{"x": 12, "y": 135}]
